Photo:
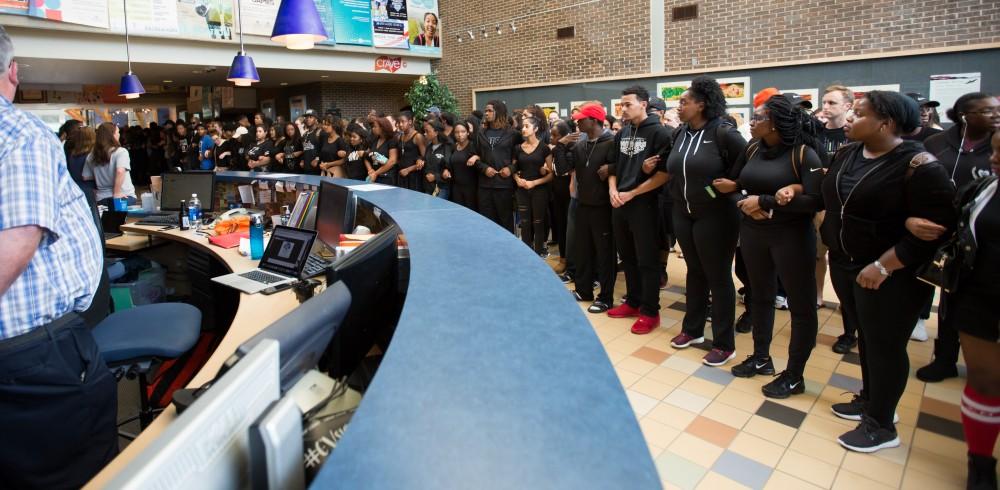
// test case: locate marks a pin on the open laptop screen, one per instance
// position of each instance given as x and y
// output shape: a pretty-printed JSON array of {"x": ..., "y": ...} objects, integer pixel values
[{"x": 287, "y": 251}]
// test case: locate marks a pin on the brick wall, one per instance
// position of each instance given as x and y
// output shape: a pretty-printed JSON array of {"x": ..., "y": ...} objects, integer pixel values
[
  {"x": 356, "y": 99},
  {"x": 612, "y": 36}
]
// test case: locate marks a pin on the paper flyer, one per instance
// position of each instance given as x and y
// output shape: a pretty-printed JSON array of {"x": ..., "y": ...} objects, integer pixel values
[{"x": 390, "y": 24}]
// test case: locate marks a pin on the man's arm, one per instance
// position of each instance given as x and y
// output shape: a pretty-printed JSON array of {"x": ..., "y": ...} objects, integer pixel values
[{"x": 17, "y": 246}]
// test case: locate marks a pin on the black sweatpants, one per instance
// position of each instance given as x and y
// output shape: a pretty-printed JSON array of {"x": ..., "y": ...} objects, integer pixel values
[
  {"x": 58, "y": 407},
  {"x": 885, "y": 318},
  {"x": 560, "y": 212},
  {"x": 533, "y": 208},
  {"x": 946, "y": 345},
  {"x": 595, "y": 247},
  {"x": 497, "y": 205},
  {"x": 790, "y": 250},
  {"x": 708, "y": 239},
  {"x": 465, "y": 195},
  {"x": 638, "y": 244}
]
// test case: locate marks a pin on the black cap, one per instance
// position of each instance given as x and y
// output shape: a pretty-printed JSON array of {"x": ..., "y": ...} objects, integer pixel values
[
  {"x": 657, "y": 104},
  {"x": 923, "y": 101},
  {"x": 797, "y": 99},
  {"x": 309, "y": 113}
]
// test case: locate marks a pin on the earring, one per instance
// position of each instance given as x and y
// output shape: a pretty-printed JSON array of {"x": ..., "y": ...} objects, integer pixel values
[{"x": 880, "y": 128}]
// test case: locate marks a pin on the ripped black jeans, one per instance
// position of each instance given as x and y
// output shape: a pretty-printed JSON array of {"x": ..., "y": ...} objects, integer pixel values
[{"x": 532, "y": 209}]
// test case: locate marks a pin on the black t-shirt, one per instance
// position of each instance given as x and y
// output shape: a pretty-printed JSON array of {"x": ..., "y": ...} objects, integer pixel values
[
  {"x": 229, "y": 146},
  {"x": 384, "y": 149},
  {"x": 854, "y": 170},
  {"x": 355, "y": 168},
  {"x": 328, "y": 152},
  {"x": 986, "y": 272},
  {"x": 768, "y": 170},
  {"x": 529, "y": 165},
  {"x": 462, "y": 174},
  {"x": 409, "y": 152},
  {"x": 832, "y": 140},
  {"x": 923, "y": 134},
  {"x": 260, "y": 149},
  {"x": 311, "y": 142},
  {"x": 288, "y": 148}
]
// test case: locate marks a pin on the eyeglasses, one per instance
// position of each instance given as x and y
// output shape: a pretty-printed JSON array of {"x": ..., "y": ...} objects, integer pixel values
[
  {"x": 985, "y": 112},
  {"x": 759, "y": 118}
]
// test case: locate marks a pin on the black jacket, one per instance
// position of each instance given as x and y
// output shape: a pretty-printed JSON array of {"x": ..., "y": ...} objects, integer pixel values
[
  {"x": 585, "y": 158},
  {"x": 698, "y": 158},
  {"x": 971, "y": 166},
  {"x": 873, "y": 218},
  {"x": 434, "y": 163},
  {"x": 497, "y": 155},
  {"x": 633, "y": 146}
]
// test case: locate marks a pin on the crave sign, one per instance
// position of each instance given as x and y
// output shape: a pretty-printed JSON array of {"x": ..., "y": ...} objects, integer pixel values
[{"x": 391, "y": 64}]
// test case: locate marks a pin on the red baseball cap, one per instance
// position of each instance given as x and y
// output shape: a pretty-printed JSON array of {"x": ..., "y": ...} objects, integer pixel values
[{"x": 591, "y": 110}]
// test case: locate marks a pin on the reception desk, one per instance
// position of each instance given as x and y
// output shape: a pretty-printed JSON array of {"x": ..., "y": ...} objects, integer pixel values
[{"x": 493, "y": 378}]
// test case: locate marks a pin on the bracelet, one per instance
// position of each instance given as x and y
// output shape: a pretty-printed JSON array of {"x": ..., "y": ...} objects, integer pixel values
[{"x": 881, "y": 269}]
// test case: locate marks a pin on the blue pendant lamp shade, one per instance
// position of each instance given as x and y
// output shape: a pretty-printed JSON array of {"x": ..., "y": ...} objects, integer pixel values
[
  {"x": 131, "y": 87},
  {"x": 298, "y": 25},
  {"x": 243, "y": 72}
]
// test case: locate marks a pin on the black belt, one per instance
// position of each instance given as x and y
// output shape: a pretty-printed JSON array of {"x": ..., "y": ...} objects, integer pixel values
[{"x": 44, "y": 332}]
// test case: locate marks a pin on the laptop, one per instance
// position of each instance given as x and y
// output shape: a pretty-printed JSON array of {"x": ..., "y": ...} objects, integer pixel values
[
  {"x": 281, "y": 263},
  {"x": 111, "y": 222}
]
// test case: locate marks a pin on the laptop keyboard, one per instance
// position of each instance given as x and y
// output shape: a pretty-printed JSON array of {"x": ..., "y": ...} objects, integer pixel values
[
  {"x": 262, "y": 277},
  {"x": 315, "y": 265},
  {"x": 159, "y": 219}
]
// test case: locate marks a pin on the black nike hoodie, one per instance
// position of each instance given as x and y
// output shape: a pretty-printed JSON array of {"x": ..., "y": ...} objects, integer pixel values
[
  {"x": 635, "y": 145},
  {"x": 698, "y": 158}
]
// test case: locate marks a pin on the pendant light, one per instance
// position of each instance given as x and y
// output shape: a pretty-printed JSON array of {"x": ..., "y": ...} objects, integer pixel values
[
  {"x": 298, "y": 25},
  {"x": 130, "y": 87},
  {"x": 242, "y": 72}
]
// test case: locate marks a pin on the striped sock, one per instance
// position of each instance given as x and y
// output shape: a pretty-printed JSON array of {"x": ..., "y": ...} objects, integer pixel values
[{"x": 981, "y": 421}]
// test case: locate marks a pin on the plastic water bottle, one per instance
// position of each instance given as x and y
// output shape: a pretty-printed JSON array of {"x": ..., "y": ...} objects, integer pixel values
[
  {"x": 194, "y": 211},
  {"x": 256, "y": 237},
  {"x": 286, "y": 215}
]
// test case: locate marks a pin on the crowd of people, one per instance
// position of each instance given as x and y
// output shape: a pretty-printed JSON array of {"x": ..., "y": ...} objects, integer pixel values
[{"x": 866, "y": 187}]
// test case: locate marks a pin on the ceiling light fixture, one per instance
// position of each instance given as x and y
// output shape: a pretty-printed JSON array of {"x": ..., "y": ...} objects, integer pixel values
[
  {"x": 242, "y": 72},
  {"x": 298, "y": 25},
  {"x": 130, "y": 87}
]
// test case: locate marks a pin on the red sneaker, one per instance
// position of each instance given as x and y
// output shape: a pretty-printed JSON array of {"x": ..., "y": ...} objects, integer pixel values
[
  {"x": 645, "y": 324},
  {"x": 623, "y": 311}
]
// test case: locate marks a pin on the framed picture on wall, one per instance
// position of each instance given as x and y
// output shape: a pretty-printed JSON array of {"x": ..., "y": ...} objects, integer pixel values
[
  {"x": 615, "y": 109},
  {"x": 267, "y": 108},
  {"x": 549, "y": 107},
  {"x": 861, "y": 90},
  {"x": 736, "y": 90},
  {"x": 810, "y": 94},
  {"x": 296, "y": 106},
  {"x": 671, "y": 92},
  {"x": 742, "y": 116},
  {"x": 576, "y": 104}
]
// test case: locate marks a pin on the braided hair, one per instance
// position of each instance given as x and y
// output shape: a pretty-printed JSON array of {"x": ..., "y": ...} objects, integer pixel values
[{"x": 793, "y": 124}]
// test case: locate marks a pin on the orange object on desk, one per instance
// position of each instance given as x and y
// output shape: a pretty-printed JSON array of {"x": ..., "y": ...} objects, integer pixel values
[
  {"x": 229, "y": 240},
  {"x": 233, "y": 225}
]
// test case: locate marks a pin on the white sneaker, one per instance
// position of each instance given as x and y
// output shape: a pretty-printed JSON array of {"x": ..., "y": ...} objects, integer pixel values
[
  {"x": 781, "y": 302},
  {"x": 919, "y": 331}
]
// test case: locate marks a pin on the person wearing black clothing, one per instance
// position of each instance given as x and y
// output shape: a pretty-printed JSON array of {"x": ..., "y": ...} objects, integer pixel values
[
  {"x": 559, "y": 203},
  {"x": 464, "y": 176},
  {"x": 705, "y": 222},
  {"x": 927, "y": 109},
  {"x": 357, "y": 150},
  {"x": 381, "y": 160},
  {"x": 494, "y": 150},
  {"x": 435, "y": 174},
  {"x": 181, "y": 148},
  {"x": 333, "y": 148},
  {"x": 533, "y": 164},
  {"x": 589, "y": 163},
  {"x": 259, "y": 155},
  {"x": 312, "y": 140},
  {"x": 411, "y": 154},
  {"x": 288, "y": 149},
  {"x": 630, "y": 187},
  {"x": 226, "y": 149},
  {"x": 776, "y": 235},
  {"x": 872, "y": 187},
  {"x": 964, "y": 150}
]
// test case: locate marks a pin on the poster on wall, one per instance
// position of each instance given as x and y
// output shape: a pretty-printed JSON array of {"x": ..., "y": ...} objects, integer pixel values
[
  {"x": 352, "y": 21},
  {"x": 15, "y": 7},
  {"x": 574, "y": 105},
  {"x": 861, "y": 90},
  {"x": 736, "y": 90},
  {"x": 389, "y": 24},
  {"x": 946, "y": 89},
  {"x": 258, "y": 16},
  {"x": 425, "y": 26},
  {"x": 549, "y": 107},
  {"x": 92, "y": 13},
  {"x": 809, "y": 94},
  {"x": 325, "y": 10},
  {"x": 206, "y": 19},
  {"x": 671, "y": 92},
  {"x": 153, "y": 17},
  {"x": 742, "y": 117},
  {"x": 616, "y": 108}
]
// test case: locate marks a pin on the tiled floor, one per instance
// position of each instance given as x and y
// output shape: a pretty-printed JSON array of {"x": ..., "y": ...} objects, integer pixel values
[{"x": 707, "y": 429}]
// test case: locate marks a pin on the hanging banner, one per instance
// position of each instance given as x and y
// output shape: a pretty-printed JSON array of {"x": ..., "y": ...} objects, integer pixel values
[
  {"x": 152, "y": 17},
  {"x": 259, "y": 15},
  {"x": 15, "y": 7},
  {"x": 206, "y": 19},
  {"x": 425, "y": 26},
  {"x": 85, "y": 12},
  {"x": 389, "y": 24},
  {"x": 325, "y": 9},
  {"x": 352, "y": 21}
]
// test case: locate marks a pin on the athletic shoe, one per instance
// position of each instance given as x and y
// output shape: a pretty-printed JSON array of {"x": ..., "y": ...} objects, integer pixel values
[
  {"x": 744, "y": 323},
  {"x": 784, "y": 386},
  {"x": 663, "y": 283},
  {"x": 937, "y": 371},
  {"x": 543, "y": 255},
  {"x": 718, "y": 357},
  {"x": 597, "y": 307},
  {"x": 869, "y": 437},
  {"x": 623, "y": 311},
  {"x": 596, "y": 285},
  {"x": 645, "y": 324},
  {"x": 982, "y": 472},
  {"x": 781, "y": 302},
  {"x": 580, "y": 297},
  {"x": 919, "y": 331},
  {"x": 855, "y": 409},
  {"x": 753, "y": 366},
  {"x": 566, "y": 278},
  {"x": 684, "y": 340},
  {"x": 844, "y": 344}
]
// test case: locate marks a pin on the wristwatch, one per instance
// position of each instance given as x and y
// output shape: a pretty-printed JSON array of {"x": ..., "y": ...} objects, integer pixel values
[{"x": 881, "y": 268}]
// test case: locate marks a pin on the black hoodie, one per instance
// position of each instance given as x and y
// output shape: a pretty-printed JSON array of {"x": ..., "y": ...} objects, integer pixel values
[
  {"x": 970, "y": 166},
  {"x": 697, "y": 159},
  {"x": 495, "y": 154},
  {"x": 585, "y": 158},
  {"x": 635, "y": 145}
]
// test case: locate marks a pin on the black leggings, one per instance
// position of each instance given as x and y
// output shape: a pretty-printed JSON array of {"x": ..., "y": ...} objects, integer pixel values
[
  {"x": 497, "y": 205},
  {"x": 789, "y": 249},
  {"x": 560, "y": 212},
  {"x": 533, "y": 209},
  {"x": 595, "y": 250},
  {"x": 708, "y": 239},
  {"x": 885, "y": 318},
  {"x": 636, "y": 237},
  {"x": 465, "y": 195}
]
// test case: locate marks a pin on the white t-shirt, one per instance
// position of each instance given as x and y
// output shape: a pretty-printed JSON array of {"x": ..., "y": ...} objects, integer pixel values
[{"x": 104, "y": 175}]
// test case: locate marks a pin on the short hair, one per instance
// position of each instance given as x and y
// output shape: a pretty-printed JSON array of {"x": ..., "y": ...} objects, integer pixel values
[
  {"x": 448, "y": 118},
  {"x": 844, "y": 90},
  {"x": 6, "y": 50},
  {"x": 707, "y": 91},
  {"x": 68, "y": 127},
  {"x": 638, "y": 91},
  {"x": 901, "y": 109},
  {"x": 962, "y": 106},
  {"x": 562, "y": 128}
]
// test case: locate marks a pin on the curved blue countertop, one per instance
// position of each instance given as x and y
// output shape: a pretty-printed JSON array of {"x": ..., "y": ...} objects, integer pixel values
[{"x": 494, "y": 377}]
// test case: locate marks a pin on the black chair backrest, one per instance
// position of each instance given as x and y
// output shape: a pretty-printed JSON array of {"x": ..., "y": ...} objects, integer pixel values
[{"x": 100, "y": 307}]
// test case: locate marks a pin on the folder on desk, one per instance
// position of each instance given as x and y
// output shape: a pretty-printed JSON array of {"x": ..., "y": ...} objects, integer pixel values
[{"x": 229, "y": 240}]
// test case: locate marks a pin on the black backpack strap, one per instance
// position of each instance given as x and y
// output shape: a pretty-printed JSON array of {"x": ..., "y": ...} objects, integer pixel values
[
  {"x": 919, "y": 160},
  {"x": 721, "y": 135}
]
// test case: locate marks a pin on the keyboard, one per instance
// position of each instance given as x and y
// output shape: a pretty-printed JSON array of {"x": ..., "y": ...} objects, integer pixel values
[
  {"x": 262, "y": 277},
  {"x": 315, "y": 265},
  {"x": 159, "y": 220}
]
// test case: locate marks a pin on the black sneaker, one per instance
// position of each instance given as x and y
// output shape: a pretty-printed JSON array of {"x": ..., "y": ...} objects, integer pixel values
[
  {"x": 598, "y": 307},
  {"x": 869, "y": 437},
  {"x": 855, "y": 409},
  {"x": 784, "y": 386},
  {"x": 982, "y": 472},
  {"x": 754, "y": 365},
  {"x": 937, "y": 371},
  {"x": 566, "y": 278},
  {"x": 845, "y": 343},
  {"x": 743, "y": 323}
]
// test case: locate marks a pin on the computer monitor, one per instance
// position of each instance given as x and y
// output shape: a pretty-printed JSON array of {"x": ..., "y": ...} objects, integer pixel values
[
  {"x": 178, "y": 187},
  {"x": 334, "y": 213},
  {"x": 207, "y": 446}
]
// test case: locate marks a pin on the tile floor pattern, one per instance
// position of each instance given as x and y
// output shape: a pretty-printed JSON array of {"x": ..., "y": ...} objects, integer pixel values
[{"x": 709, "y": 430}]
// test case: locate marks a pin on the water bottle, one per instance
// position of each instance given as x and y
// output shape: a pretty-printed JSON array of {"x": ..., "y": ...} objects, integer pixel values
[
  {"x": 286, "y": 215},
  {"x": 183, "y": 221},
  {"x": 256, "y": 236},
  {"x": 194, "y": 211}
]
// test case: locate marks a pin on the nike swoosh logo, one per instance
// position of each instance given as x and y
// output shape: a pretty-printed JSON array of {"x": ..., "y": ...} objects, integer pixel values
[
  {"x": 795, "y": 385},
  {"x": 815, "y": 169},
  {"x": 761, "y": 365},
  {"x": 706, "y": 141}
]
